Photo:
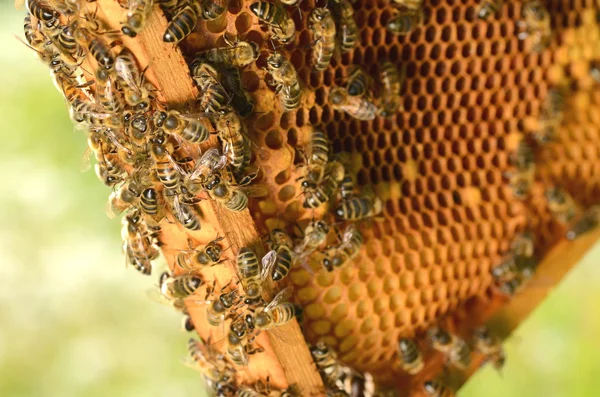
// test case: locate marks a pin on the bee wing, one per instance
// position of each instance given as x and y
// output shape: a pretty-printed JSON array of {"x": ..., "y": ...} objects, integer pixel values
[
  {"x": 254, "y": 191},
  {"x": 282, "y": 296},
  {"x": 199, "y": 116},
  {"x": 19, "y": 4},
  {"x": 85, "y": 160},
  {"x": 110, "y": 209},
  {"x": 126, "y": 74},
  {"x": 155, "y": 295},
  {"x": 267, "y": 262},
  {"x": 207, "y": 162}
]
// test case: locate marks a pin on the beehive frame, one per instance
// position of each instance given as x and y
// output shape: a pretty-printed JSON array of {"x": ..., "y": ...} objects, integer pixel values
[{"x": 472, "y": 86}]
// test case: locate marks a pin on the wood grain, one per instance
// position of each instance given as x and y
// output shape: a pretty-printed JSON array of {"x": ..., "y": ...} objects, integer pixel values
[{"x": 285, "y": 362}]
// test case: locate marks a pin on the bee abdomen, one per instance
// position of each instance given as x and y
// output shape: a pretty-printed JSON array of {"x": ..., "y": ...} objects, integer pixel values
[{"x": 182, "y": 24}]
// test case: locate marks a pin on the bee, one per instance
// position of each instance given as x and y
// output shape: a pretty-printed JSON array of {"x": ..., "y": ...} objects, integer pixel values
[
  {"x": 358, "y": 107},
  {"x": 552, "y": 115},
  {"x": 391, "y": 82},
  {"x": 185, "y": 213},
  {"x": 523, "y": 177},
  {"x": 338, "y": 256},
  {"x": 277, "y": 313},
  {"x": 327, "y": 363},
  {"x": 588, "y": 221},
  {"x": 237, "y": 53},
  {"x": 535, "y": 23},
  {"x": 411, "y": 358},
  {"x": 212, "y": 9},
  {"x": 281, "y": 26},
  {"x": 233, "y": 196},
  {"x": 347, "y": 187},
  {"x": 41, "y": 10},
  {"x": 194, "y": 128},
  {"x": 213, "y": 96},
  {"x": 137, "y": 243},
  {"x": 357, "y": 208},
  {"x": 210, "y": 162},
  {"x": 150, "y": 204},
  {"x": 198, "y": 258},
  {"x": 252, "y": 273},
  {"x": 65, "y": 44},
  {"x": 167, "y": 170},
  {"x": 131, "y": 80},
  {"x": 322, "y": 26},
  {"x": 37, "y": 39},
  {"x": 512, "y": 268},
  {"x": 358, "y": 82},
  {"x": 182, "y": 23},
  {"x": 110, "y": 169},
  {"x": 406, "y": 21},
  {"x": 315, "y": 235},
  {"x": 216, "y": 311},
  {"x": 561, "y": 205},
  {"x": 489, "y": 7},
  {"x": 489, "y": 345},
  {"x": 280, "y": 242},
  {"x": 123, "y": 198},
  {"x": 187, "y": 323},
  {"x": 99, "y": 49},
  {"x": 512, "y": 286},
  {"x": 233, "y": 134},
  {"x": 347, "y": 29},
  {"x": 241, "y": 101},
  {"x": 135, "y": 19},
  {"x": 219, "y": 375},
  {"x": 318, "y": 193},
  {"x": 459, "y": 354},
  {"x": 440, "y": 339},
  {"x": 107, "y": 93},
  {"x": 237, "y": 342},
  {"x": 434, "y": 388},
  {"x": 180, "y": 287},
  {"x": 285, "y": 79}
]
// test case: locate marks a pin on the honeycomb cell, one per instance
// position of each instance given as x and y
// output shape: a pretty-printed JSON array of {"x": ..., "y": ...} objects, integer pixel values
[
  {"x": 343, "y": 328},
  {"x": 314, "y": 311},
  {"x": 286, "y": 193},
  {"x": 339, "y": 312},
  {"x": 321, "y": 327}
]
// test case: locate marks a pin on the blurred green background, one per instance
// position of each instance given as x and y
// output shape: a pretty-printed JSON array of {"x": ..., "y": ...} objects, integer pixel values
[{"x": 75, "y": 322}]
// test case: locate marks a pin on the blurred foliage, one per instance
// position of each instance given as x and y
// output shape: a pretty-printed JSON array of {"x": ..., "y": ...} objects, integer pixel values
[{"x": 76, "y": 322}]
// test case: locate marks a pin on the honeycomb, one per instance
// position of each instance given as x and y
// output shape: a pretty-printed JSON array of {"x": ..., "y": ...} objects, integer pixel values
[{"x": 472, "y": 90}]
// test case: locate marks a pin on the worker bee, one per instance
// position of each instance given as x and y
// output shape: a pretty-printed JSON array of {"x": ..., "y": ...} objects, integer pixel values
[
  {"x": 434, "y": 388},
  {"x": 194, "y": 128},
  {"x": 358, "y": 82},
  {"x": 561, "y": 205},
  {"x": 588, "y": 221},
  {"x": 315, "y": 234},
  {"x": 213, "y": 96},
  {"x": 405, "y": 21},
  {"x": 357, "y": 208},
  {"x": 327, "y": 363},
  {"x": 512, "y": 286},
  {"x": 218, "y": 373},
  {"x": 411, "y": 358},
  {"x": 185, "y": 213},
  {"x": 278, "y": 312},
  {"x": 233, "y": 134},
  {"x": 347, "y": 186},
  {"x": 523, "y": 245},
  {"x": 123, "y": 198},
  {"x": 234, "y": 196},
  {"x": 110, "y": 169},
  {"x": 487, "y": 8},
  {"x": 137, "y": 242},
  {"x": 212, "y": 9},
  {"x": 391, "y": 85},
  {"x": 107, "y": 93},
  {"x": 64, "y": 42},
  {"x": 151, "y": 204},
  {"x": 552, "y": 115},
  {"x": 358, "y": 107},
  {"x": 237, "y": 339},
  {"x": 167, "y": 169},
  {"x": 241, "y": 101},
  {"x": 285, "y": 80},
  {"x": 322, "y": 26},
  {"x": 512, "y": 267},
  {"x": 489, "y": 345},
  {"x": 182, "y": 23},
  {"x": 37, "y": 39},
  {"x": 523, "y": 176},
  {"x": 198, "y": 258},
  {"x": 459, "y": 354},
  {"x": 281, "y": 26},
  {"x": 535, "y": 23},
  {"x": 131, "y": 81},
  {"x": 440, "y": 339},
  {"x": 318, "y": 193},
  {"x": 42, "y": 11},
  {"x": 135, "y": 19},
  {"x": 252, "y": 273},
  {"x": 99, "y": 49},
  {"x": 238, "y": 53},
  {"x": 180, "y": 287},
  {"x": 349, "y": 247},
  {"x": 210, "y": 162},
  {"x": 347, "y": 29},
  {"x": 280, "y": 242}
]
